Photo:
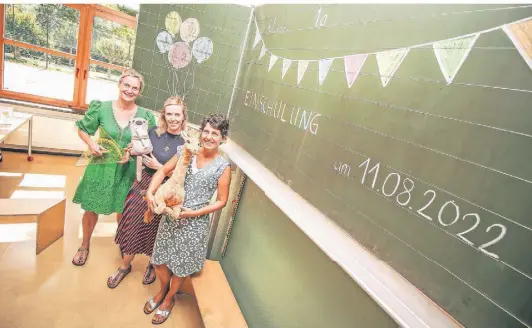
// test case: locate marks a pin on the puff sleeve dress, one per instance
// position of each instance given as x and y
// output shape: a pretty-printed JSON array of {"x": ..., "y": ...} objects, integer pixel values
[{"x": 104, "y": 187}]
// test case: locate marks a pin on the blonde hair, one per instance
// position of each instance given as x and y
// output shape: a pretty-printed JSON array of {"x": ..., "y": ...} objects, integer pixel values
[
  {"x": 172, "y": 101},
  {"x": 132, "y": 73}
]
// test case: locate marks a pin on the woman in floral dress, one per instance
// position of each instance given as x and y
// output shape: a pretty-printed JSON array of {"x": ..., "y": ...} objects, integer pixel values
[{"x": 181, "y": 246}]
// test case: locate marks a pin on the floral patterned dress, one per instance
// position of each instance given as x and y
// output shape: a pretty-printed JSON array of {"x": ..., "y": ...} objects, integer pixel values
[
  {"x": 182, "y": 244},
  {"x": 104, "y": 187}
]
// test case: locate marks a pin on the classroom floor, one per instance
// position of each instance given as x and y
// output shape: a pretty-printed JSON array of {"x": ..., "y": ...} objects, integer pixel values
[{"x": 47, "y": 290}]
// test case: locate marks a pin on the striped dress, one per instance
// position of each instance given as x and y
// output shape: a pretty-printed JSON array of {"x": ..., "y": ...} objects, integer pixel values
[{"x": 133, "y": 235}]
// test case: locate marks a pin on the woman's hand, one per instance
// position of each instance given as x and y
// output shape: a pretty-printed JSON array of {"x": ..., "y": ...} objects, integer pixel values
[
  {"x": 150, "y": 199},
  {"x": 96, "y": 150},
  {"x": 151, "y": 162},
  {"x": 187, "y": 213},
  {"x": 126, "y": 156}
]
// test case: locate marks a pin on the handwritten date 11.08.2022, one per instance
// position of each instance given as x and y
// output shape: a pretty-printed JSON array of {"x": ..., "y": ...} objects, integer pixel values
[{"x": 402, "y": 193}]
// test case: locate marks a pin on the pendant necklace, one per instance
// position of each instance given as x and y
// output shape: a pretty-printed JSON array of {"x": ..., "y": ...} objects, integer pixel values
[{"x": 167, "y": 145}]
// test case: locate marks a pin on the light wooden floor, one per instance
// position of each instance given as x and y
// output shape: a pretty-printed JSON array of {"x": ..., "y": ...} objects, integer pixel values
[{"x": 47, "y": 290}]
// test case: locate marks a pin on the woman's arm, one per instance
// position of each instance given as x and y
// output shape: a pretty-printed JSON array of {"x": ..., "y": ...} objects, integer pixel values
[
  {"x": 158, "y": 177},
  {"x": 223, "y": 194},
  {"x": 84, "y": 136},
  {"x": 94, "y": 147}
]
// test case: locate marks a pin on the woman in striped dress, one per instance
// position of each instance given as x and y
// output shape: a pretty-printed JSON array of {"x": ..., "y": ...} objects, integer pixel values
[{"x": 133, "y": 235}]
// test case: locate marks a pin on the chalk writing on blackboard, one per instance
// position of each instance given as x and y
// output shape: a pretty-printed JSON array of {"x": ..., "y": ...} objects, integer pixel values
[
  {"x": 319, "y": 20},
  {"x": 401, "y": 188},
  {"x": 342, "y": 168},
  {"x": 298, "y": 117},
  {"x": 273, "y": 28}
]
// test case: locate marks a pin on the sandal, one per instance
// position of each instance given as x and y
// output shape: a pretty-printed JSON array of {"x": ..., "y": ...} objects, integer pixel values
[
  {"x": 81, "y": 260},
  {"x": 112, "y": 282},
  {"x": 163, "y": 313},
  {"x": 152, "y": 305},
  {"x": 149, "y": 275}
]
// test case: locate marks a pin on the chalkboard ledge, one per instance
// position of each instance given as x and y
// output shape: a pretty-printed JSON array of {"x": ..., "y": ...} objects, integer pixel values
[{"x": 407, "y": 305}]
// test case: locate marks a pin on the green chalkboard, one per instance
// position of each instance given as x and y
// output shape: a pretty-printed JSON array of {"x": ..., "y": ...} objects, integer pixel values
[
  {"x": 432, "y": 177},
  {"x": 205, "y": 84}
]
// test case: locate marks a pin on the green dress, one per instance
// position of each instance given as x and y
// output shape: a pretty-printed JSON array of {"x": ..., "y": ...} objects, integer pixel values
[{"x": 104, "y": 187}]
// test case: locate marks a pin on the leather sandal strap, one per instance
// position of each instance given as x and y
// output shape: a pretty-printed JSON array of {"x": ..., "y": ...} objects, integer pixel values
[
  {"x": 120, "y": 275},
  {"x": 163, "y": 313},
  {"x": 152, "y": 303},
  {"x": 124, "y": 271},
  {"x": 148, "y": 272}
]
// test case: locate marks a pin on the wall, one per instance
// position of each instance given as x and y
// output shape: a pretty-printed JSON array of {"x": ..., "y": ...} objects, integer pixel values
[
  {"x": 206, "y": 86},
  {"x": 430, "y": 176},
  {"x": 282, "y": 279}
]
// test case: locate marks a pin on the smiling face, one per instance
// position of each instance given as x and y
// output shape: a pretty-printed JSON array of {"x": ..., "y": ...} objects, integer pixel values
[
  {"x": 211, "y": 138},
  {"x": 173, "y": 115},
  {"x": 129, "y": 88}
]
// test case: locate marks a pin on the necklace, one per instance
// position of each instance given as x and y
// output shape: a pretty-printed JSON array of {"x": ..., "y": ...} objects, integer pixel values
[{"x": 167, "y": 145}]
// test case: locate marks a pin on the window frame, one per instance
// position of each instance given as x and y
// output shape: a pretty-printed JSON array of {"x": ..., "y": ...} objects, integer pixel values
[{"x": 87, "y": 13}]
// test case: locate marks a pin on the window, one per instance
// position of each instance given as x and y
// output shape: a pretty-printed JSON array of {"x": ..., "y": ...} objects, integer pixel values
[{"x": 64, "y": 55}]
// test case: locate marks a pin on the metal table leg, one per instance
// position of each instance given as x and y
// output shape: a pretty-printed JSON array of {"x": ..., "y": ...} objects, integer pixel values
[{"x": 30, "y": 137}]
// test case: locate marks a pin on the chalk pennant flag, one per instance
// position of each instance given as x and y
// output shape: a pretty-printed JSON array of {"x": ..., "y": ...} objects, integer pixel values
[
  {"x": 273, "y": 60},
  {"x": 302, "y": 66},
  {"x": 521, "y": 36},
  {"x": 262, "y": 51},
  {"x": 388, "y": 62},
  {"x": 324, "y": 66},
  {"x": 353, "y": 65},
  {"x": 451, "y": 54},
  {"x": 286, "y": 66},
  {"x": 257, "y": 38}
]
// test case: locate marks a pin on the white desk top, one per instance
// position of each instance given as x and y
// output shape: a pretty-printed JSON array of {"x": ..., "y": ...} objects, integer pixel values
[{"x": 15, "y": 122}]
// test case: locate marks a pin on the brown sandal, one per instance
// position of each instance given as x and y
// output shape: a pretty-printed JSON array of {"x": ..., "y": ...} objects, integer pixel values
[
  {"x": 112, "y": 282},
  {"x": 146, "y": 280},
  {"x": 81, "y": 261}
]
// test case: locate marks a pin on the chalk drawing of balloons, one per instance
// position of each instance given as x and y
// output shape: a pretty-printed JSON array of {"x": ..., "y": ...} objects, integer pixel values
[
  {"x": 172, "y": 22},
  {"x": 189, "y": 30},
  {"x": 164, "y": 41},
  {"x": 179, "y": 55},
  {"x": 202, "y": 49}
]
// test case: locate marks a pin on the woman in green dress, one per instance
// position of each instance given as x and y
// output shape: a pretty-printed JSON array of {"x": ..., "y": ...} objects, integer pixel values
[{"x": 104, "y": 187}]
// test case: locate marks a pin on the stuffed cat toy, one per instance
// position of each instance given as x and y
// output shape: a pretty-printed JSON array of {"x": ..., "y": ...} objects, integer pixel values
[
  {"x": 140, "y": 141},
  {"x": 171, "y": 195}
]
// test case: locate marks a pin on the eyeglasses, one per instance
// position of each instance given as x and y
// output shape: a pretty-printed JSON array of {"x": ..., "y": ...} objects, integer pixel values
[{"x": 128, "y": 86}]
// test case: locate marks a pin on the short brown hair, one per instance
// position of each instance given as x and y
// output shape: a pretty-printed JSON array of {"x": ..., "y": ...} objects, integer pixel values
[
  {"x": 218, "y": 122},
  {"x": 162, "y": 126}
]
